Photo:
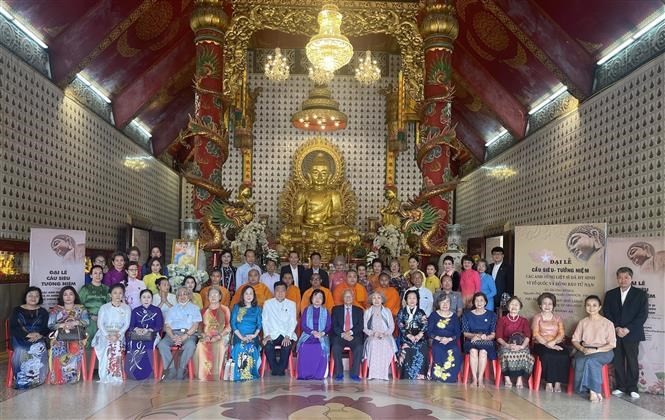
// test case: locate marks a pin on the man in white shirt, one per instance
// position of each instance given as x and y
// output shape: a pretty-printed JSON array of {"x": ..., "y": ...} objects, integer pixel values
[
  {"x": 269, "y": 278},
  {"x": 243, "y": 270},
  {"x": 279, "y": 329},
  {"x": 426, "y": 297}
]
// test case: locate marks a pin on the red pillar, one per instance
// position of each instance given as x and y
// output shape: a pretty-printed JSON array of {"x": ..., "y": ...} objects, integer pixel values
[
  {"x": 209, "y": 21},
  {"x": 439, "y": 30}
]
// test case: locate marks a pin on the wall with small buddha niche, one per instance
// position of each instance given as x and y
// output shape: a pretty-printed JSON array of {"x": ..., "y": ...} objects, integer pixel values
[
  {"x": 64, "y": 167},
  {"x": 601, "y": 163},
  {"x": 362, "y": 143}
]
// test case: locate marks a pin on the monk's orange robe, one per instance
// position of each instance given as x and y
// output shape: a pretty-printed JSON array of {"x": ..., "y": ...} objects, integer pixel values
[
  {"x": 226, "y": 296},
  {"x": 359, "y": 295},
  {"x": 304, "y": 302},
  {"x": 393, "y": 302},
  {"x": 261, "y": 290},
  {"x": 374, "y": 281},
  {"x": 293, "y": 294}
]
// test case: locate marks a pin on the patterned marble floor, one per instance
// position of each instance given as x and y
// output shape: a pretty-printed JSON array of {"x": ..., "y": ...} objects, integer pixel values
[{"x": 282, "y": 398}]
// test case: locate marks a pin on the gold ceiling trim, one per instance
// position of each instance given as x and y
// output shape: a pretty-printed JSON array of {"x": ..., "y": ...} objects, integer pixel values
[{"x": 299, "y": 17}]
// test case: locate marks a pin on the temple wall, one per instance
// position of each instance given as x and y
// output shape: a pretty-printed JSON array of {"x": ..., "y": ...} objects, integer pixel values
[
  {"x": 65, "y": 167},
  {"x": 603, "y": 162}
]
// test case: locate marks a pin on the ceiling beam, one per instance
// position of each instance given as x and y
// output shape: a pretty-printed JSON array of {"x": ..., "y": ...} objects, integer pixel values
[
  {"x": 469, "y": 136},
  {"x": 83, "y": 41},
  {"x": 165, "y": 132},
  {"x": 508, "y": 110},
  {"x": 161, "y": 75},
  {"x": 548, "y": 42}
]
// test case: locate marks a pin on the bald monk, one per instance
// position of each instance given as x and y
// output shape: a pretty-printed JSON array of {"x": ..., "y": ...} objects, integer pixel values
[
  {"x": 315, "y": 280},
  {"x": 216, "y": 281},
  {"x": 393, "y": 301},
  {"x": 292, "y": 291},
  {"x": 261, "y": 290},
  {"x": 359, "y": 291}
]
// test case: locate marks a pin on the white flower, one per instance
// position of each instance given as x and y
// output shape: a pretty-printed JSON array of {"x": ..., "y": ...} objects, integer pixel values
[
  {"x": 251, "y": 236},
  {"x": 391, "y": 239}
]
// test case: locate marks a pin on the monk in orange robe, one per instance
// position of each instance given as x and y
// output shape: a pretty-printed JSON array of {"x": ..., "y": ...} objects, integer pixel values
[
  {"x": 316, "y": 284},
  {"x": 292, "y": 291},
  {"x": 359, "y": 291},
  {"x": 393, "y": 301},
  {"x": 216, "y": 281},
  {"x": 261, "y": 290}
]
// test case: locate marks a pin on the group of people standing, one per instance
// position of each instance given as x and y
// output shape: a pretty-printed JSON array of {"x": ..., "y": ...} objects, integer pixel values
[{"x": 415, "y": 321}]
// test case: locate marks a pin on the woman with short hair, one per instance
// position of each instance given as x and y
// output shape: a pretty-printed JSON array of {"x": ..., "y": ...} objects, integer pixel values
[
  {"x": 412, "y": 324},
  {"x": 314, "y": 344},
  {"x": 380, "y": 347},
  {"x": 109, "y": 342},
  {"x": 594, "y": 339},
  {"x": 68, "y": 321},
  {"x": 548, "y": 336},
  {"x": 143, "y": 335},
  {"x": 215, "y": 330},
  {"x": 28, "y": 327},
  {"x": 478, "y": 327},
  {"x": 513, "y": 335},
  {"x": 443, "y": 328},
  {"x": 246, "y": 322}
]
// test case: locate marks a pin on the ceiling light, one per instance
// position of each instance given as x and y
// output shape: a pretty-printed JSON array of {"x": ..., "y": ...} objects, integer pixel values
[
  {"x": 93, "y": 88},
  {"x": 631, "y": 39},
  {"x": 368, "y": 72},
  {"x": 277, "y": 67},
  {"x": 497, "y": 137},
  {"x": 23, "y": 28},
  {"x": 329, "y": 49},
  {"x": 549, "y": 99}
]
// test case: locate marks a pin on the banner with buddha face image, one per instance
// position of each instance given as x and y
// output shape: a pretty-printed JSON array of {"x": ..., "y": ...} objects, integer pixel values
[
  {"x": 566, "y": 260},
  {"x": 57, "y": 259},
  {"x": 646, "y": 257}
]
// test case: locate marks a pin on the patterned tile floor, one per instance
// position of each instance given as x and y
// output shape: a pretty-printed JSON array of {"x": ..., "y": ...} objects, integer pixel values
[{"x": 281, "y": 398}]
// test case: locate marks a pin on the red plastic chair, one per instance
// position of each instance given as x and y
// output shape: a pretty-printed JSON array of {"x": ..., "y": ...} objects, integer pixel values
[
  {"x": 264, "y": 363},
  {"x": 364, "y": 369},
  {"x": 10, "y": 353},
  {"x": 331, "y": 368},
  {"x": 606, "y": 381},
  {"x": 431, "y": 362},
  {"x": 190, "y": 364},
  {"x": 467, "y": 368},
  {"x": 537, "y": 374},
  {"x": 498, "y": 376}
]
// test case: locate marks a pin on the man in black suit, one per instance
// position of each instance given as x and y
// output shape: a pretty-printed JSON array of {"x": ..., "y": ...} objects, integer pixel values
[
  {"x": 627, "y": 307},
  {"x": 502, "y": 273},
  {"x": 315, "y": 267},
  {"x": 347, "y": 331},
  {"x": 296, "y": 269}
]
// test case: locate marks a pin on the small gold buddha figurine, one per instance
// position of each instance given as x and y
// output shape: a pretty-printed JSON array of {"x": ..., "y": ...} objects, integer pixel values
[
  {"x": 390, "y": 212},
  {"x": 318, "y": 205}
]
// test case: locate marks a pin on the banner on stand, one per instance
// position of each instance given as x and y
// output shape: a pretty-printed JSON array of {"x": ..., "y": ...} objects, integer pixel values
[
  {"x": 566, "y": 260},
  {"x": 646, "y": 257},
  {"x": 57, "y": 259}
]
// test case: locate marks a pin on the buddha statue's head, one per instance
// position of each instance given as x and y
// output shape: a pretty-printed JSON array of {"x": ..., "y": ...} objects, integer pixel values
[
  {"x": 319, "y": 173},
  {"x": 390, "y": 192}
]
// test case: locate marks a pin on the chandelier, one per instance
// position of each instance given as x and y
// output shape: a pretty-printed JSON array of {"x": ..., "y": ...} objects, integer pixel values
[
  {"x": 329, "y": 49},
  {"x": 320, "y": 76},
  {"x": 319, "y": 112},
  {"x": 277, "y": 67},
  {"x": 368, "y": 72}
]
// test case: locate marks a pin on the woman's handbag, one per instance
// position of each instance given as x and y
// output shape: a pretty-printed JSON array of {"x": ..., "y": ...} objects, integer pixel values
[
  {"x": 147, "y": 336},
  {"x": 516, "y": 338},
  {"x": 78, "y": 333}
]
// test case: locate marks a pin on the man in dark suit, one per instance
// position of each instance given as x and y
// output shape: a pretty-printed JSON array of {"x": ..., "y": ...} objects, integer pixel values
[
  {"x": 627, "y": 307},
  {"x": 347, "y": 331},
  {"x": 315, "y": 267},
  {"x": 502, "y": 273},
  {"x": 296, "y": 269}
]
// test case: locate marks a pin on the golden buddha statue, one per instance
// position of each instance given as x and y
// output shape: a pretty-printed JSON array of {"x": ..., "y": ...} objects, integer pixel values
[
  {"x": 390, "y": 213},
  {"x": 317, "y": 206}
]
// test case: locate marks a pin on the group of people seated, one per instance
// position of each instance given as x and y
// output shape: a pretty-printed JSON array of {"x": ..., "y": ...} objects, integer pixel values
[{"x": 423, "y": 334}]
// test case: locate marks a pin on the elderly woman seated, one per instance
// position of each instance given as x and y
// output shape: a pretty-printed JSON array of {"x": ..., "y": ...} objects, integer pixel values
[
  {"x": 513, "y": 334},
  {"x": 380, "y": 347}
]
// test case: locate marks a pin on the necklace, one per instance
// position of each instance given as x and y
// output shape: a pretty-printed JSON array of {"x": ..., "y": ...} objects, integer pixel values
[{"x": 517, "y": 317}]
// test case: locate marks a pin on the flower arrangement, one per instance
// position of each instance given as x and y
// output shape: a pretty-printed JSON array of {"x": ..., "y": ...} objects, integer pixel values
[
  {"x": 177, "y": 274},
  {"x": 250, "y": 236},
  {"x": 391, "y": 239},
  {"x": 273, "y": 255},
  {"x": 371, "y": 256}
]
